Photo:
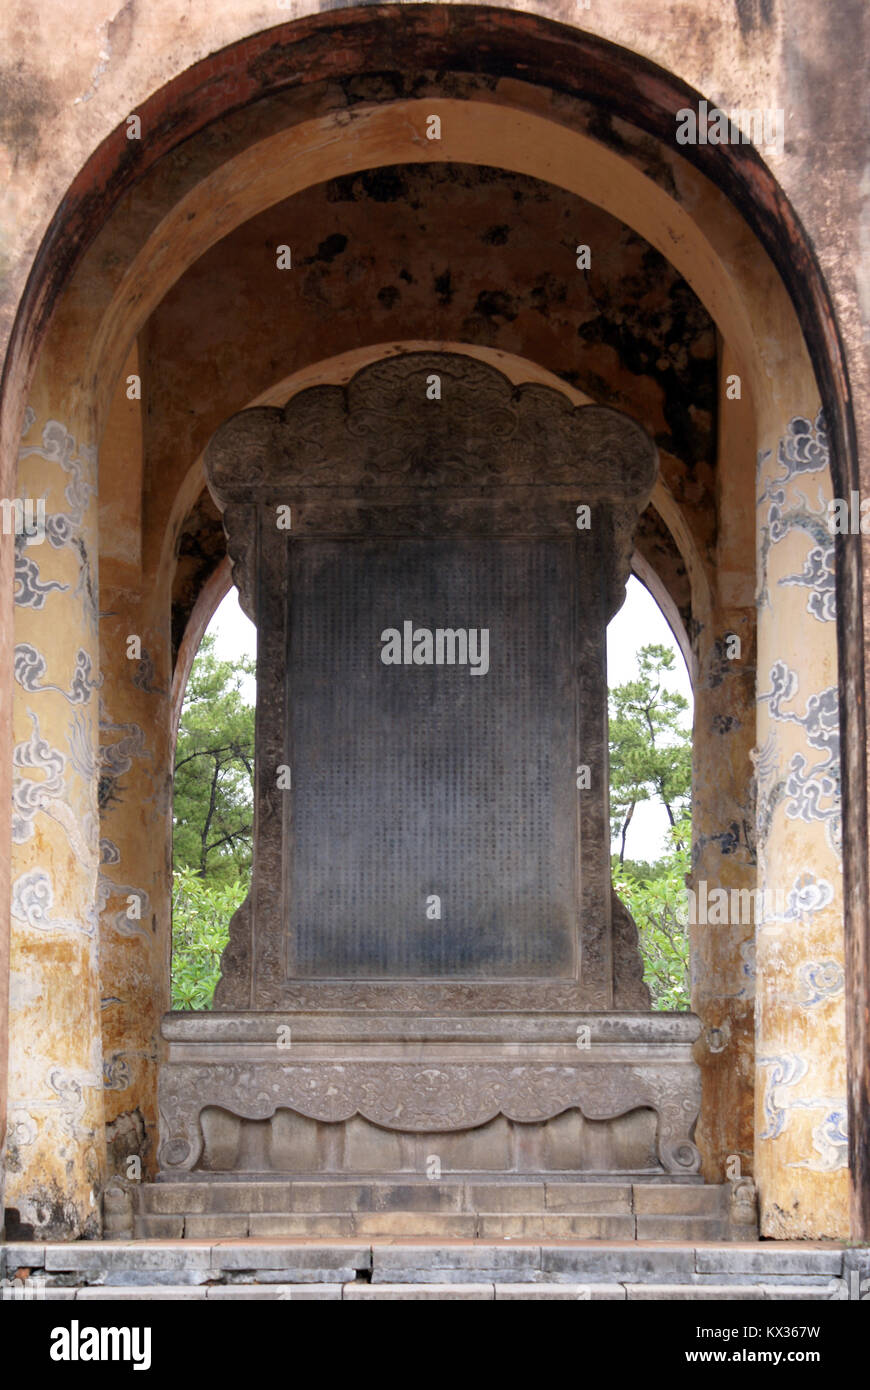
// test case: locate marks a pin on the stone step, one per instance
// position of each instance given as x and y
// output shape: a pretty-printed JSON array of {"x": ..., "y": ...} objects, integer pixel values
[
  {"x": 487, "y": 1225},
  {"x": 449, "y": 1195},
  {"x": 454, "y": 1207},
  {"x": 411, "y": 1224},
  {"x": 442, "y": 1292},
  {"x": 569, "y": 1268}
]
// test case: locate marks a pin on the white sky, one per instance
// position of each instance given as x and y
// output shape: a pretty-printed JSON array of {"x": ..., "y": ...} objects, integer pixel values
[
  {"x": 639, "y": 622},
  {"x": 235, "y": 636}
]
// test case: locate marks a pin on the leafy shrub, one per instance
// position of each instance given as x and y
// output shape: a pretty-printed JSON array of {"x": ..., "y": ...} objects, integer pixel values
[
  {"x": 201, "y": 912},
  {"x": 654, "y": 895}
]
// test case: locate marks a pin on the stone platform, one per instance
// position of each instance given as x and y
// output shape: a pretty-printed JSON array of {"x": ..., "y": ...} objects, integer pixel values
[
  {"x": 474, "y": 1205},
  {"x": 385, "y": 1092},
  {"x": 394, "y": 1270}
]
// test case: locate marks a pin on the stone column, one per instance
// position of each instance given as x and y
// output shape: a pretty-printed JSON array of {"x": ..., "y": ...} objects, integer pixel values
[
  {"x": 56, "y": 1141},
  {"x": 7, "y": 639},
  {"x": 135, "y": 876},
  {"x": 801, "y": 1140},
  {"x": 135, "y": 792},
  {"x": 723, "y": 979},
  {"x": 723, "y": 802}
]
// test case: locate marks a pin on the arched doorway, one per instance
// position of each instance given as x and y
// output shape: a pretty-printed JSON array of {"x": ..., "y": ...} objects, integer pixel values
[{"x": 709, "y": 248}]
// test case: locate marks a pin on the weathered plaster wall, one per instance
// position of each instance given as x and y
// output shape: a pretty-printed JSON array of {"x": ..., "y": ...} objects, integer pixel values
[
  {"x": 65, "y": 97},
  {"x": 438, "y": 253}
]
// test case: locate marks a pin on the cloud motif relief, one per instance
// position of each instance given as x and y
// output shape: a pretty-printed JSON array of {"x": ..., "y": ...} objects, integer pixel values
[
  {"x": 62, "y": 528},
  {"x": 830, "y": 1136},
  {"x": 812, "y": 790},
  {"x": 802, "y": 451},
  {"x": 804, "y": 448},
  {"x": 59, "y": 446},
  {"x": 119, "y": 921},
  {"x": 28, "y": 589},
  {"x": 33, "y": 900},
  {"x": 116, "y": 1072},
  {"x": 821, "y": 980},
  {"x": 28, "y": 796},
  {"x": 29, "y": 666},
  {"x": 117, "y": 758},
  {"x": 785, "y": 1070},
  {"x": 808, "y": 788},
  {"x": 22, "y": 1130},
  {"x": 808, "y": 896},
  {"x": 818, "y": 575},
  {"x": 747, "y": 969},
  {"x": 145, "y": 675},
  {"x": 82, "y": 753},
  {"x": 69, "y": 1087}
]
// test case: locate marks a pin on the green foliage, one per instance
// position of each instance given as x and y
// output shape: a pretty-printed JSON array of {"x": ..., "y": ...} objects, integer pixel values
[
  {"x": 651, "y": 759},
  {"x": 201, "y": 913},
  {"x": 212, "y": 822},
  {"x": 214, "y": 758},
  {"x": 653, "y": 896},
  {"x": 650, "y": 748}
]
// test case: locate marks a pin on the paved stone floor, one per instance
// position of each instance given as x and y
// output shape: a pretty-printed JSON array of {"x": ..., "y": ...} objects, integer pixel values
[{"x": 449, "y": 1269}]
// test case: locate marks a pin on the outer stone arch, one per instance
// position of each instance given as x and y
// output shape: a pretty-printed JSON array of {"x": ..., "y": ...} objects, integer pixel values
[{"x": 776, "y": 430}]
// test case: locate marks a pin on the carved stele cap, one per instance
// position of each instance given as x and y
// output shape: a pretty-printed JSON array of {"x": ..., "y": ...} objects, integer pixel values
[
  {"x": 381, "y": 430},
  {"x": 381, "y": 440}
]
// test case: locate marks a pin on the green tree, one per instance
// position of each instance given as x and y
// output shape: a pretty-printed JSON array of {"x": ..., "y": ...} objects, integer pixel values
[
  {"x": 201, "y": 915},
  {"x": 650, "y": 748},
  {"x": 654, "y": 895},
  {"x": 651, "y": 759},
  {"x": 212, "y": 822},
  {"x": 213, "y": 791}
]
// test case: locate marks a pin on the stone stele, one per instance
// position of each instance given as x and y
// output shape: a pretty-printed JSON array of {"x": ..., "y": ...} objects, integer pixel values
[{"x": 431, "y": 943}]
